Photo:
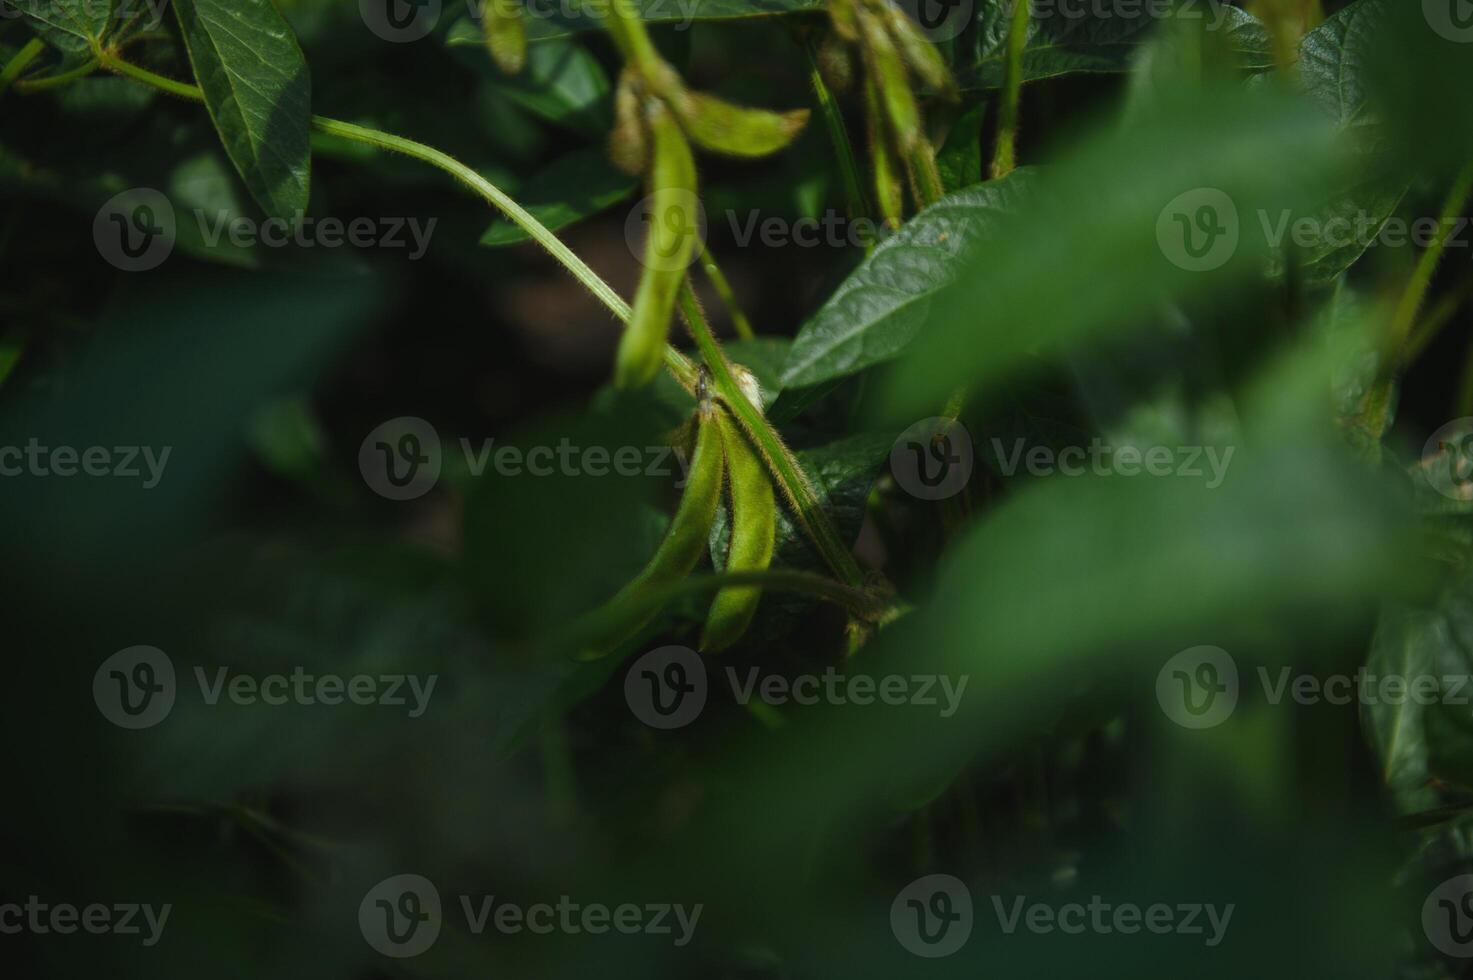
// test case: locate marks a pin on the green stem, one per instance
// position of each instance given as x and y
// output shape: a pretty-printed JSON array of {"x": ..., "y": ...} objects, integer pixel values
[
  {"x": 928, "y": 179},
  {"x": 786, "y": 472},
  {"x": 1004, "y": 157},
  {"x": 855, "y": 202},
  {"x": 1416, "y": 291},
  {"x": 29, "y": 85},
  {"x": 739, "y": 321},
  {"x": 20, "y": 62},
  {"x": 679, "y": 365}
]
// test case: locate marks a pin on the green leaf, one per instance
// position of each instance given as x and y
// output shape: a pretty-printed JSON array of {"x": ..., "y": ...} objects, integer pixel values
[
  {"x": 960, "y": 160},
  {"x": 877, "y": 311},
  {"x": 1063, "y": 45},
  {"x": 70, "y": 26},
  {"x": 566, "y": 20},
  {"x": 573, "y": 187},
  {"x": 562, "y": 83},
  {"x": 1408, "y": 643},
  {"x": 1333, "y": 65},
  {"x": 1076, "y": 260},
  {"x": 258, "y": 93}
]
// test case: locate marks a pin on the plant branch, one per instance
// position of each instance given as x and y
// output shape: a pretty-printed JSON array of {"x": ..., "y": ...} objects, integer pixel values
[
  {"x": 855, "y": 202},
  {"x": 786, "y": 472},
  {"x": 1416, "y": 290},
  {"x": 679, "y": 365},
  {"x": 739, "y": 321},
  {"x": 22, "y": 60},
  {"x": 1004, "y": 157}
]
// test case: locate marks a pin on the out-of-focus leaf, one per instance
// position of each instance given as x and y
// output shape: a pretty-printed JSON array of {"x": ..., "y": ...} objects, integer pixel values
[
  {"x": 258, "y": 92},
  {"x": 571, "y": 188},
  {"x": 1089, "y": 42},
  {"x": 1179, "y": 219},
  {"x": 878, "y": 310},
  {"x": 1409, "y": 643}
]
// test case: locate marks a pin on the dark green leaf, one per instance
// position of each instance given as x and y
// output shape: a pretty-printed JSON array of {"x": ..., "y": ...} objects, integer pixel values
[
  {"x": 876, "y": 312},
  {"x": 258, "y": 92}
]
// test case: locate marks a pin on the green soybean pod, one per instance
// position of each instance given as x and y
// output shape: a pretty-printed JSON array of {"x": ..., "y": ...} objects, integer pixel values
[
  {"x": 917, "y": 50},
  {"x": 506, "y": 35},
  {"x": 888, "y": 73},
  {"x": 888, "y": 194},
  {"x": 723, "y": 127},
  {"x": 685, "y": 541},
  {"x": 629, "y": 144},
  {"x": 667, "y": 250},
  {"x": 753, "y": 537}
]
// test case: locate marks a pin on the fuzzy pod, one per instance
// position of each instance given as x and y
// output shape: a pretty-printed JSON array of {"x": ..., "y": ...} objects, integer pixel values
[
  {"x": 685, "y": 541},
  {"x": 889, "y": 196},
  {"x": 919, "y": 54},
  {"x": 844, "y": 17},
  {"x": 723, "y": 127},
  {"x": 835, "y": 62},
  {"x": 753, "y": 537},
  {"x": 887, "y": 72},
  {"x": 674, "y": 227},
  {"x": 629, "y": 142},
  {"x": 506, "y": 34}
]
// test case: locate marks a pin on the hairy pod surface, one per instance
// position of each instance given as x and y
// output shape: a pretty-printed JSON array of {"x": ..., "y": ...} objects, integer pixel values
[
  {"x": 723, "y": 127},
  {"x": 836, "y": 62},
  {"x": 685, "y": 541},
  {"x": 667, "y": 250},
  {"x": 916, "y": 49},
  {"x": 753, "y": 537},
  {"x": 843, "y": 16},
  {"x": 889, "y": 196},
  {"x": 887, "y": 72},
  {"x": 629, "y": 142},
  {"x": 506, "y": 34}
]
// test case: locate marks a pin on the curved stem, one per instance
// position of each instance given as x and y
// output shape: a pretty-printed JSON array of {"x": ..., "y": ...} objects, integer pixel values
[
  {"x": 20, "y": 62},
  {"x": 739, "y": 321},
  {"x": 679, "y": 365},
  {"x": 787, "y": 474},
  {"x": 855, "y": 202}
]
